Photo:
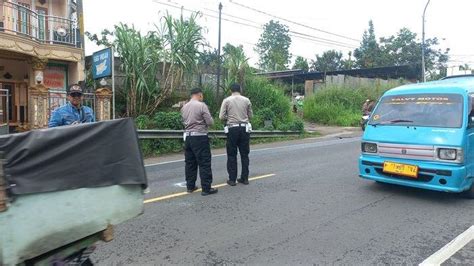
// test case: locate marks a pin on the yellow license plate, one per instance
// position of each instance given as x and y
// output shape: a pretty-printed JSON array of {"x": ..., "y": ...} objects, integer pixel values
[{"x": 401, "y": 169}]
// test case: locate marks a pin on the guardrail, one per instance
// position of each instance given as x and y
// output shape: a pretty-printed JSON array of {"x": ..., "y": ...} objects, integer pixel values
[{"x": 178, "y": 134}]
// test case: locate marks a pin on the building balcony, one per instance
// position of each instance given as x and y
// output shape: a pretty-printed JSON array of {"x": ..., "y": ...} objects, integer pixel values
[
  {"x": 36, "y": 25},
  {"x": 38, "y": 32}
]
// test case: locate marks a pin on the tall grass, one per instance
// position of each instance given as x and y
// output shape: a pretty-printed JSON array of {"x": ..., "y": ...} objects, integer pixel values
[{"x": 341, "y": 105}]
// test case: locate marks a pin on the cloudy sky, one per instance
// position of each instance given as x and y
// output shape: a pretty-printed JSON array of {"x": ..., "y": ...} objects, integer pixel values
[{"x": 316, "y": 25}]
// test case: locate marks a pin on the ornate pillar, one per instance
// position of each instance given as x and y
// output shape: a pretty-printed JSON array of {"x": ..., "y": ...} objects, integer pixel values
[
  {"x": 103, "y": 104},
  {"x": 38, "y": 98},
  {"x": 38, "y": 111},
  {"x": 39, "y": 65}
]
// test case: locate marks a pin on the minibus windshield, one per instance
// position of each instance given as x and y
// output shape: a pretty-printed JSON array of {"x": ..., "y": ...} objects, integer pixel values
[{"x": 424, "y": 110}]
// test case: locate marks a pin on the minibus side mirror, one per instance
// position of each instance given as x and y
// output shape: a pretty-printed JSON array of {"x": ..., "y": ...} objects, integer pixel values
[{"x": 470, "y": 123}]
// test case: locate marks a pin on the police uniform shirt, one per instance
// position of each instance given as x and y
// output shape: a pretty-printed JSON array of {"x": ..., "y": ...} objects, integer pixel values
[
  {"x": 236, "y": 109},
  {"x": 196, "y": 117}
]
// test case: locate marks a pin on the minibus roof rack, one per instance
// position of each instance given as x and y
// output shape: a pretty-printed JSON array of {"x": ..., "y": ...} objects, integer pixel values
[{"x": 459, "y": 76}]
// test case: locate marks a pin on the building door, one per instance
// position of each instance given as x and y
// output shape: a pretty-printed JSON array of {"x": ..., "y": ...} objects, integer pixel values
[
  {"x": 8, "y": 102},
  {"x": 4, "y": 104}
]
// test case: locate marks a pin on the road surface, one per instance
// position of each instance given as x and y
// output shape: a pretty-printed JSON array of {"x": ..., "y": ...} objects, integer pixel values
[{"x": 307, "y": 205}]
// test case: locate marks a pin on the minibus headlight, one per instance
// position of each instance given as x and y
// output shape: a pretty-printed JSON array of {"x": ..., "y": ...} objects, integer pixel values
[
  {"x": 369, "y": 147},
  {"x": 447, "y": 154}
]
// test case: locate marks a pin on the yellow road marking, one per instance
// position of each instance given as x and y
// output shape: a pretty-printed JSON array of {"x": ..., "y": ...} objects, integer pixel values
[{"x": 180, "y": 194}]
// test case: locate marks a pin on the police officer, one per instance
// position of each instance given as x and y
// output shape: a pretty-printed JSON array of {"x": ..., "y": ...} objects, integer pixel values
[
  {"x": 236, "y": 111},
  {"x": 73, "y": 112},
  {"x": 197, "y": 150}
]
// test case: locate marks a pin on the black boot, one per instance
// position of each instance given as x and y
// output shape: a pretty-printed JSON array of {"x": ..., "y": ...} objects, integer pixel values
[
  {"x": 209, "y": 191},
  {"x": 191, "y": 190},
  {"x": 243, "y": 181}
]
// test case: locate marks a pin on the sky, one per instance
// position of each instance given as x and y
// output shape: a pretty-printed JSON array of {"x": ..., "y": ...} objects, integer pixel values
[{"x": 317, "y": 25}]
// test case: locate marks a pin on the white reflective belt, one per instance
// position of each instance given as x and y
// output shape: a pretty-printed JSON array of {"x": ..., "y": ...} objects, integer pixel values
[
  {"x": 238, "y": 125},
  {"x": 190, "y": 134}
]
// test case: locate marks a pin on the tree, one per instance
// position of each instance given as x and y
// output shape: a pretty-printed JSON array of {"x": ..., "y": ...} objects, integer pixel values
[
  {"x": 301, "y": 63},
  {"x": 368, "y": 55},
  {"x": 209, "y": 59},
  {"x": 348, "y": 63},
  {"x": 464, "y": 67},
  {"x": 236, "y": 64},
  {"x": 405, "y": 49},
  {"x": 170, "y": 52},
  {"x": 329, "y": 61},
  {"x": 273, "y": 47},
  {"x": 139, "y": 58}
]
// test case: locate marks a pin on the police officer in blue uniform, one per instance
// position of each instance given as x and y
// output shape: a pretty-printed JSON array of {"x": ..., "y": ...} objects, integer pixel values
[{"x": 73, "y": 112}]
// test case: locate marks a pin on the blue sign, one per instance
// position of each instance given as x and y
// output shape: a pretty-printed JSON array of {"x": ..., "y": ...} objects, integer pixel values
[{"x": 102, "y": 63}]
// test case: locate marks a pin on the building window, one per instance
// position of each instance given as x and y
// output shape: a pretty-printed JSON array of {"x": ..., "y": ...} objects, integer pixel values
[{"x": 24, "y": 18}]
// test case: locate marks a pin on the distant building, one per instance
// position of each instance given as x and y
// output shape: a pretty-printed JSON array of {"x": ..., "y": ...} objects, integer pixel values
[
  {"x": 458, "y": 70},
  {"x": 314, "y": 80}
]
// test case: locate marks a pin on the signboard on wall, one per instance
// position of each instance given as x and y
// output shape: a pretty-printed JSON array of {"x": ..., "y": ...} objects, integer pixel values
[
  {"x": 102, "y": 63},
  {"x": 55, "y": 77},
  {"x": 56, "y": 80}
]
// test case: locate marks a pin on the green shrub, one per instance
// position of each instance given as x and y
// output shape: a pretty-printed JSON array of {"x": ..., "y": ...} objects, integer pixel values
[
  {"x": 143, "y": 122},
  {"x": 257, "y": 122},
  {"x": 341, "y": 106},
  {"x": 160, "y": 146},
  {"x": 266, "y": 114},
  {"x": 268, "y": 102},
  {"x": 168, "y": 120},
  {"x": 218, "y": 124},
  {"x": 210, "y": 98}
]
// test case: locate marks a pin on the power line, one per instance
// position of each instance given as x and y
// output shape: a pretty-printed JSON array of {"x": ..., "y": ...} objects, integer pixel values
[
  {"x": 232, "y": 16},
  {"x": 318, "y": 40},
  {"x": 294, "y": 32},
  {"x": 294, "y": 22},
  {"x": 328, "y": 41}
]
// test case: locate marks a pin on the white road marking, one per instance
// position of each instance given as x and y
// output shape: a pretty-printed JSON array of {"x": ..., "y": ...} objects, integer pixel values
[
  {"x": 450, "y": 249},
  {"x": 257, "y": 150},
  {"x": 180, "y": 184}
]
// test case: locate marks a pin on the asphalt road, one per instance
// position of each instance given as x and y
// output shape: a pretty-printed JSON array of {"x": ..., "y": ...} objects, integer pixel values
[{"x": 313, "y": 210}]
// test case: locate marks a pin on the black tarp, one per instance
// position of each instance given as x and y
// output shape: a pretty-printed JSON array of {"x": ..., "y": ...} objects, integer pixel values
[{"x": 70, "y": 157}]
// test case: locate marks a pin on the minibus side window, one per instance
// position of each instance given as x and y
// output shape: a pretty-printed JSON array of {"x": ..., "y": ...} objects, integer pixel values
[{"x": 471, "y": 111}]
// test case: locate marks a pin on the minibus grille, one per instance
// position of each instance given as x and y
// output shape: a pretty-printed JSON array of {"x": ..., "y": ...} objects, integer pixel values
[{"x": 403, "y": 151}]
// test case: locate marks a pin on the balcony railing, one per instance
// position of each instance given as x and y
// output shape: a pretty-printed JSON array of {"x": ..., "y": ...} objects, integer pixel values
[{"x": 38, "y": 26}]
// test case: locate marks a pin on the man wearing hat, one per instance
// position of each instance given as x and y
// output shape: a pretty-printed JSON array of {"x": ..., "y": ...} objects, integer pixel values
[
  {"x": 73, "y": 112},
  {"x": 197, "y": 151}
]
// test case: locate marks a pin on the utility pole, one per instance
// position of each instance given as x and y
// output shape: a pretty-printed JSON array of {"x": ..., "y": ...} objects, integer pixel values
[
  {"x": 219, "y": 54},
  {"x": 423, "y": 45}
]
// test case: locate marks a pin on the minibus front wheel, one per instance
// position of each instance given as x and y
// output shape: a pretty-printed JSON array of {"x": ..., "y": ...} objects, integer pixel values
[{"x": 470, "y": 192}]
